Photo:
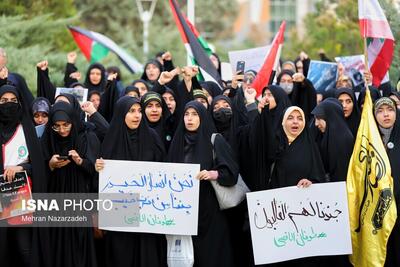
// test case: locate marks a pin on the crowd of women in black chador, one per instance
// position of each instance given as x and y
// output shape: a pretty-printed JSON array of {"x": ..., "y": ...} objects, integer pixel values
[{"x": 283, "y": 138}]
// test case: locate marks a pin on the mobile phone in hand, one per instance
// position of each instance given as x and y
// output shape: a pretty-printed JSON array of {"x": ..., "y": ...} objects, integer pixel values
[
  {"x": 240, "y": 68},
  {"x": 62, "y": 157}
]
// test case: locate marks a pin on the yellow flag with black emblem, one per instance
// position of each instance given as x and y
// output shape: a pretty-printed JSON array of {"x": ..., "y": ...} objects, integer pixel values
[{"x": 372, "y": 206}]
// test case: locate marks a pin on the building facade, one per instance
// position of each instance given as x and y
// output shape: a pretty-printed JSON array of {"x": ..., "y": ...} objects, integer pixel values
[{"x": 259, "y": 20}]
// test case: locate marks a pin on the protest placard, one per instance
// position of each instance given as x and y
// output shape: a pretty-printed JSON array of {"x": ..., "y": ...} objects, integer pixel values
[
  {"x": 150, "y": 197},
  {"x": 291, "y": 222},
  {"x": 11, "y": 195},
  {"x": 354, "y": 67},
  {"x": 81, "y": 94},
  {"x": 226, "y": 71},
  {"x": 323, "y": 75},
  {"x": 254, "y": 58}
]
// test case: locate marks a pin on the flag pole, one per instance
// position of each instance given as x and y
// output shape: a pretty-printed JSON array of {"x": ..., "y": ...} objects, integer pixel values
[
  {"x": 366, "y": 53},
  {"x": 366, "y": 62}
]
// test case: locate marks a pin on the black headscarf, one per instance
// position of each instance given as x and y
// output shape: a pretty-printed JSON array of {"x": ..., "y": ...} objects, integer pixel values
[
  {"x": 258, "y": 144},
  {"x": 336, "y": 140},
  {"x": 101, "y": 86},
  {"x": 154, "y": 62},
  {"x": 375, "y": 95},
  {"x": 71, "y": 178},
  {"x": 303, "y": 94},
  {"x": 196, "y": 147},
  {"x": 393, "y": 150},
  {"x": 212, "y": 88},
  {"x": 94, "y": 92},
  {"x": 199, "y": 140},
  {"x": 161, "y": 125},
  {"x": 10, "y": 114},
  {"x": 353, "y": 121},
  {"x": 19, "y": 82},
  {"x": 227, "y": 126},
  {"x": 300, "y": 159},
  {"x": 61, "y": 111},
  {"x": 395, "y": 93},
  {"x": 41, "y": 255},
  {"x": 219, "y": 63},
  {"x": 76, "y": 84},
  {"x": 141, "y": 81},
  {"x": 283, "y": 72},
  {"x": 7, "y": 129},
  {"x": 172, "y": 120},
  {"x": 142, "y": 144},
  {"x": 76, "y": 108},
  {"x": 282, "y": 103},
  {"x": 131, "y": 88}
]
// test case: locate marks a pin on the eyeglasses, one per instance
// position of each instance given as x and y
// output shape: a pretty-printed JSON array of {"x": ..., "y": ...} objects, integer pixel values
[
  {"x": 6, "y": 100},
  {"x": 65, "y": 127},
  {"x": 248, "y": 79}
]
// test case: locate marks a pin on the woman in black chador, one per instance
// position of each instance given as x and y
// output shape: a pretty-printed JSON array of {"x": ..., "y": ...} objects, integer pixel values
[
  {"x": 388, "y": 119},
  {"x": 295, "y": 161},
  {"x": 335, "y": 142},
  {"x": 130, "y": 138},
  {"x": 21, "y": 151},
  {"x": 352, "y": 114},
  {"x": 333, "y": 138},
  {"x": 70, "y": 152},
  {"x": 192, "y": 144}
]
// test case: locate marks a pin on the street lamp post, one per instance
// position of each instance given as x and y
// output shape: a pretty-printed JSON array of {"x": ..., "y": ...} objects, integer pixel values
[
  {"x": 190, "y": 16},
  {"x": 145, "y": 17}
]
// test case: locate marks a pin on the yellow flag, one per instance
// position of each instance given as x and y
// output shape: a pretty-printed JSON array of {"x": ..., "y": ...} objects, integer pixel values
[{"x": 372, "y": 205}]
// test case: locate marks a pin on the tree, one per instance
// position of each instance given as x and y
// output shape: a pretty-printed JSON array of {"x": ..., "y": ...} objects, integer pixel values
[
  {"x": 32, "y": 8},
  {"x": 30, "y": 41},
  {"x": 122, "y": 23},
  {"x": 334, "y": 27},
  {"x": 36, "y": 30}
]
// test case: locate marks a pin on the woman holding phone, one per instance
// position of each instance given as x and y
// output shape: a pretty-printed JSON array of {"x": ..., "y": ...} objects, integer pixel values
[{"x": 70, "y": 152}]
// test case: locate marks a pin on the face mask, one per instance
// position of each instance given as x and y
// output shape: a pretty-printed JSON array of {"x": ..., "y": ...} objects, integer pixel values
[
  {"x": 9, "y": 112},
  {"x": 223, "y": 115},
  {"x": 287, "y": 87}
]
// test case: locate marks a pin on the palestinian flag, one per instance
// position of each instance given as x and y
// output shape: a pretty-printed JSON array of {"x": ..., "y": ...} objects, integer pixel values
[
  {"x": 196, "y": 47},
  {"x": 380, "y": 41},
  {"x": 266, "y": 73},
  {"x": 96, "y": 46}
]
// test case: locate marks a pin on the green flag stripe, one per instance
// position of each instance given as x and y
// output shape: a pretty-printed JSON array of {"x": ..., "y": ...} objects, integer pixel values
[
  {"x": 205, "y": 46},
  {"x": 98, "y": 52}
]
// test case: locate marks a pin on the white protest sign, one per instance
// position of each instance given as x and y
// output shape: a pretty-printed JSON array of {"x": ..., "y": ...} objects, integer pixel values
[
  {"x": 354, "y": 67},
  {"x": 226, "y": 71},
  {"x": 151, "y": 197},
  {"x": 254, "y": 58},
  {"x": 81, "y": 94},
  {"x": 290, "y": 223}
]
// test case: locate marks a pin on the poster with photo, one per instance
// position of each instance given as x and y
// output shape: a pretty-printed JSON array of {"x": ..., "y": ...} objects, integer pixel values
[
  {"x": 323, "y": 75},
  {"x": 80, "y": 93}
]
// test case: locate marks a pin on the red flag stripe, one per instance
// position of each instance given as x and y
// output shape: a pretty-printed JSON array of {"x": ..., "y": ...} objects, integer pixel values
[
  {"x": 194, "y": 30},
  {"x": 84, "y": 43},
  {"x": 178, "y": 23},
  {"x": 265, "y": 72},
  {"x": 382, "y": 62},
  {"x": 375, "y": 29},
  {"x": 202, "y": 59}
]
